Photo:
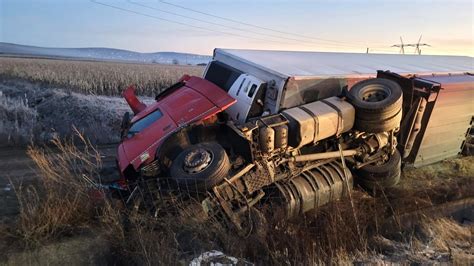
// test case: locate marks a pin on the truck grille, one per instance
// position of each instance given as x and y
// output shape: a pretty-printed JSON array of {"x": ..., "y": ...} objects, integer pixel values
[{"x": 151, "y": 169}]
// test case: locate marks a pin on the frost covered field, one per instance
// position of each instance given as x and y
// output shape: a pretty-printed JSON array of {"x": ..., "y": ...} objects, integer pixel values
[{"x": 43, "y": 98}]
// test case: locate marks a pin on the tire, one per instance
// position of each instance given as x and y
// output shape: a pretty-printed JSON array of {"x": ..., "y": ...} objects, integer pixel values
[
  {"x": 373, "y": 177},
  {"x": 205, "y": 175},
  {"x": 378, "y": 105},
  {"x": 378, "y": 125}
]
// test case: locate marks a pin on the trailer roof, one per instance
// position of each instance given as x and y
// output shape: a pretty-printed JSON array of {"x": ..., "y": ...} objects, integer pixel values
[{"x": 306, "y": 64}]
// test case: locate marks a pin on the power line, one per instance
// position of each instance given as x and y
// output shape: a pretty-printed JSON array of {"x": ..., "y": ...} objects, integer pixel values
[
  {"x": 198, "y": 27},
  {"x": 250, "y": 24},
  {"x": 402, "y": 45},
  {"x": 230, "y": 27},
  {"x": 182, "y": 23}
]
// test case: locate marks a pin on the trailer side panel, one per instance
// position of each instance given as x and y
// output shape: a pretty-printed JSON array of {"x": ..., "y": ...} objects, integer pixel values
[{"x": 451, "y": 117}]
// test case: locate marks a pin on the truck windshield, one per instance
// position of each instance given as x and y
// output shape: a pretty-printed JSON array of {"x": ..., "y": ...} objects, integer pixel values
[{"x": 143, "y": 123}]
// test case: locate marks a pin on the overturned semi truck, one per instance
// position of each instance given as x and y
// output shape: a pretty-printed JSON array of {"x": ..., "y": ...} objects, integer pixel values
[{"x": 293, "y": 130}]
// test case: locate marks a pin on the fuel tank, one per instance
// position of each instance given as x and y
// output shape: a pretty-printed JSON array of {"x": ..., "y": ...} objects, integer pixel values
[
  {"x": 313, "y": 189},
  {"x": 318, "y": 120}
]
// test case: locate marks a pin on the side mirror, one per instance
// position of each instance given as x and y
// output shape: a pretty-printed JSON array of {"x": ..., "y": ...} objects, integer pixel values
[{"x": 125, "y": 124}]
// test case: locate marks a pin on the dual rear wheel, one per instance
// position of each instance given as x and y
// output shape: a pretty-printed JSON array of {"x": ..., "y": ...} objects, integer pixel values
[
  {"x": 376, "y": 177},
  {"x": 378, "y": 105}
]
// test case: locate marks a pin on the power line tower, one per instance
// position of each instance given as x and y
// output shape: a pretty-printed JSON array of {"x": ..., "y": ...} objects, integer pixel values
[
  {"x": 418, "y": 44},
  {"x": 401, "y": 45}
]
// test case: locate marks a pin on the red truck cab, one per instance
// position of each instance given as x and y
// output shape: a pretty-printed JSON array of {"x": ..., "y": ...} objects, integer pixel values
[{"x": 190, "y": 101}]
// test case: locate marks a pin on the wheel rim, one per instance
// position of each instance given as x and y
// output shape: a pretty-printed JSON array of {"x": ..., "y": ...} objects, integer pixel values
[
  {"x": 374, "y": 93},
  {"x": 197, "y": 160}
]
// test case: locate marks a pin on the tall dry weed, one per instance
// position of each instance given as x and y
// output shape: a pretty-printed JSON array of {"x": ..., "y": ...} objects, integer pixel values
[
  {"x": 448, "y": 233},
  {"x": 60, "y": 204}
]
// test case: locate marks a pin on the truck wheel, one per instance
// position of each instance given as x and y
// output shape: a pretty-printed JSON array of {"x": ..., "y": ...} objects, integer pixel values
[
  {"x": 200, "y": 167},
  {"x": 378, "y": 105},
  {"x": 372, "y": 177}
]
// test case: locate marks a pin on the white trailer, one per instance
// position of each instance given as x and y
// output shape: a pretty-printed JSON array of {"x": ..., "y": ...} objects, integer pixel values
[{"x": 267, "y": 82}]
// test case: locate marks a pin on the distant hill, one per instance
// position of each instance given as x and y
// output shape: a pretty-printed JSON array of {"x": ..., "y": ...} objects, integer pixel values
[{"x": 104, "y": 54}]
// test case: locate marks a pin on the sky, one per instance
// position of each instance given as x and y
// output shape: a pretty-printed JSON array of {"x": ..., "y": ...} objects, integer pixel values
[{"x": 199, "y": 26}]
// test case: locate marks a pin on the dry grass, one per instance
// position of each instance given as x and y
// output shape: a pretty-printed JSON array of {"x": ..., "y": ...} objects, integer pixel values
[
  {"x": 330, "y": 235},
  {"x": 61, "y": 204},
  {"x": 448, "y": 233},
  {"x": 99, "y": 78},
  {"x": 164, "y": 240}
]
